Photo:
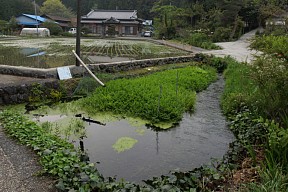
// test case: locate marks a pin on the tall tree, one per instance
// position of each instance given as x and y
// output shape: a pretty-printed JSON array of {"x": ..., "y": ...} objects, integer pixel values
[
  {"x": 14, "y": 8},
  {"x": 57, "y": 8}
]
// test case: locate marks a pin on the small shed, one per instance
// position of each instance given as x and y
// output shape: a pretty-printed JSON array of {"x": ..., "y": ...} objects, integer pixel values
[
  {"x": 27, "y": 20},
  {"x": 41, "y": 32}
]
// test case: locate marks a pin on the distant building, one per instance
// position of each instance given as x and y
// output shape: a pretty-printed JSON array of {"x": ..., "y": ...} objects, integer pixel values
[
  {"x": 113, "y": 22},
  {"x": 64, "y": 23},
  {"x": 279, "y": 20},
  {"x": 27, "y": 20}
]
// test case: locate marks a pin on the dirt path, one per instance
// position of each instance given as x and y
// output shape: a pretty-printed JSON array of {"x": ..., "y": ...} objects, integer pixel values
[
  {"x": 237, "y": 49},
  {"x": 18, "y": 168}
]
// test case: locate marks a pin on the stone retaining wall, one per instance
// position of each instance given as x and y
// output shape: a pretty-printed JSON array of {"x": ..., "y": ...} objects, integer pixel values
[
  {"x": 103, "y": 67},
  {"x": 12, "y": 94},
  {"x": 15, "y": 94}
]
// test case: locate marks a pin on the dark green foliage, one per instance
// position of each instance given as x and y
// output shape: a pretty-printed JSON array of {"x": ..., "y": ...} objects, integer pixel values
[
  {"x": 160, "y": 97},
  {"x": 218, "y": 63},
  {"x": 85, "y": 30},
  {"x": 54, "y": 28},
  {"x": 58, "y": 157},
  {"x": 86, "y": 86},
  {"x": 270, "y": 75},
  {"x": 201, "y": 40},
  {"x": 14, "y": 8},
  {"x": 274, "y": 45},
  {"x": 221, "y": 34},
  {"x": 255, "y": 90},
  {"x": 248, "y": 129}
]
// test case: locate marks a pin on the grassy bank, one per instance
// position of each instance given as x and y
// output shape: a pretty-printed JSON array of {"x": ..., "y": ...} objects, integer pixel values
[{"x": 255, "y": 101}]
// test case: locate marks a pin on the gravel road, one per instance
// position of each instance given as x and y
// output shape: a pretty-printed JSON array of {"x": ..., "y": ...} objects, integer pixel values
[{"x": 239, "y": 49}]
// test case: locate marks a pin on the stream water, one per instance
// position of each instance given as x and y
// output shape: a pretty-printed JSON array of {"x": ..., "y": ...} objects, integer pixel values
[{"x": 198, "y": 138}]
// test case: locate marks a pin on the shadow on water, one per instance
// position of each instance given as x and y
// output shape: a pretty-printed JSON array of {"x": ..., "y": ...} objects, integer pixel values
[
  {"x": 128, "y": 149},
  {"x": 193, "y": 142}
]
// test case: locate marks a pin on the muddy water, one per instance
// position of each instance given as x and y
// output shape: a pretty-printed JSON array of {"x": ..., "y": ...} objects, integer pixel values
[{"x": 197, "y": 138}]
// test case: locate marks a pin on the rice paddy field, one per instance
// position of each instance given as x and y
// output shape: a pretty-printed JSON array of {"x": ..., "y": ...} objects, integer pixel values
[{"x": 56, "y": 52}]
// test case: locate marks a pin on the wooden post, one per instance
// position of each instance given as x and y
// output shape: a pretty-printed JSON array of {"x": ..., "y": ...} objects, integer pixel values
[
  {"x": 89, "y": 71},
  {"x": 78, "y": 31}
]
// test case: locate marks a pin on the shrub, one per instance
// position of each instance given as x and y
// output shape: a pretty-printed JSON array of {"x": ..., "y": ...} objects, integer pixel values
[
  {"x": 85, "y": 30},
  {"x": 270, "y": 75},
  {"x": 54, "y": 28},
  {"x": 200, "y": 40},
  {"x": 221, "y": 34},
  {"x": 274, "y": 45}
]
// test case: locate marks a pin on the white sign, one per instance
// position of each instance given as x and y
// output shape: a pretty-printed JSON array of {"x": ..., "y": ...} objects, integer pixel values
[{"x": 64, "y": 73}]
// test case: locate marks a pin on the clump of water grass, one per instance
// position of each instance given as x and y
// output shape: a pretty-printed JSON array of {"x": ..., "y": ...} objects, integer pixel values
[{"x": 160, "y": 97}]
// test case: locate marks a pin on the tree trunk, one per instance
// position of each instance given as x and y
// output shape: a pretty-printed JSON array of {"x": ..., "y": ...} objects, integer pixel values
[{"x": 234, "y": 27}]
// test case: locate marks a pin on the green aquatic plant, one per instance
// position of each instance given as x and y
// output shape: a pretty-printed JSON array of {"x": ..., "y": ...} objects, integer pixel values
[
  {"x": 159, "y": 97},
  {"x": 124, "y": 143}
]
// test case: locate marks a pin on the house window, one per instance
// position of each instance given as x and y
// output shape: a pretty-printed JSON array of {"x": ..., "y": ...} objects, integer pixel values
[
  {"x": 94, "y": 29},
  {"x": 128, "y": 30},
  {"x": 99, "y": 29}
]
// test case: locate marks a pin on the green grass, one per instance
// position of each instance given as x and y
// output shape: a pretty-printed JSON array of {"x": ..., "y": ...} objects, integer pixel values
[
  {"x": 160, "y": 97},
  {"x": 239, "y": 87}
]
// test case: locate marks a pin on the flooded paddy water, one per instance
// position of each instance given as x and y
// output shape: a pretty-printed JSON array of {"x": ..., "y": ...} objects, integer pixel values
[{"x": 127, "y": 149}]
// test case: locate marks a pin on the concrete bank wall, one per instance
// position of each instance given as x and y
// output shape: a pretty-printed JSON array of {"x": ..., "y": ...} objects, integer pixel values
[{"x": 103, "y": 67}]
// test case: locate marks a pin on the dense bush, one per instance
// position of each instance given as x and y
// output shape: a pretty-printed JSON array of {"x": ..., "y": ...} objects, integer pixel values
[
  {"x": 200, "y": 40},
  {"x": 274, "y": 45},
  {"x": 258, "y": 90},
  {"x": 221, "y": 34},
  {"x": 54, "y": 28},
  {"x": 270, "y": 75}
]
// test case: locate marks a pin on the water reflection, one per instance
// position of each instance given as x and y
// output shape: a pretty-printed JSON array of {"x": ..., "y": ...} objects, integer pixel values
[
  {"x": 193, "y": 142},
  {"x": 33, "y": 57},
  {"x": 37, "y": 58}
]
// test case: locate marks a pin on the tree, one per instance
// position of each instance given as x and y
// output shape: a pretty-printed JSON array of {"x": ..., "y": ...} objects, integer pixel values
[
  {"x": 57, "y": 8},
  {"x": 14, "y": 8},
  {"x": 3, "y": 26},
  {"x": 13, "y": 24},
  {"x": 54, "y": 28}
]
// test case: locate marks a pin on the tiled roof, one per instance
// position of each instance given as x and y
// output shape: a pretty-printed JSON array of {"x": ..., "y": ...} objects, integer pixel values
[
  {"x": 106, "y": 14},
  {"x": 56, "y": 18}
]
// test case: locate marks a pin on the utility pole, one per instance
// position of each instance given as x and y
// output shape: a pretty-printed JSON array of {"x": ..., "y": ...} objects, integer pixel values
[
  {"x": 36, "y": 17},
  {"x": 78, "y": 31}
]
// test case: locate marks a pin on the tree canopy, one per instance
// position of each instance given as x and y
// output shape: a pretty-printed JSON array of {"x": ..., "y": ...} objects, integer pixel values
[
  {"x": 56, "y": 7},
  {"x": 9, "y": 8}
]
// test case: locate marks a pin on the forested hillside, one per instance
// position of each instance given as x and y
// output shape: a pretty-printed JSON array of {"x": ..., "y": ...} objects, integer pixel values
[
  {"x": 224, "y": 19},
  {"x": 195, "y": 9}
]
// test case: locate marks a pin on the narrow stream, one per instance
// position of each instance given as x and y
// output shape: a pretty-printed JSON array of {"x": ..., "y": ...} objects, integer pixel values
[{"x": 197, "y": 139}]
